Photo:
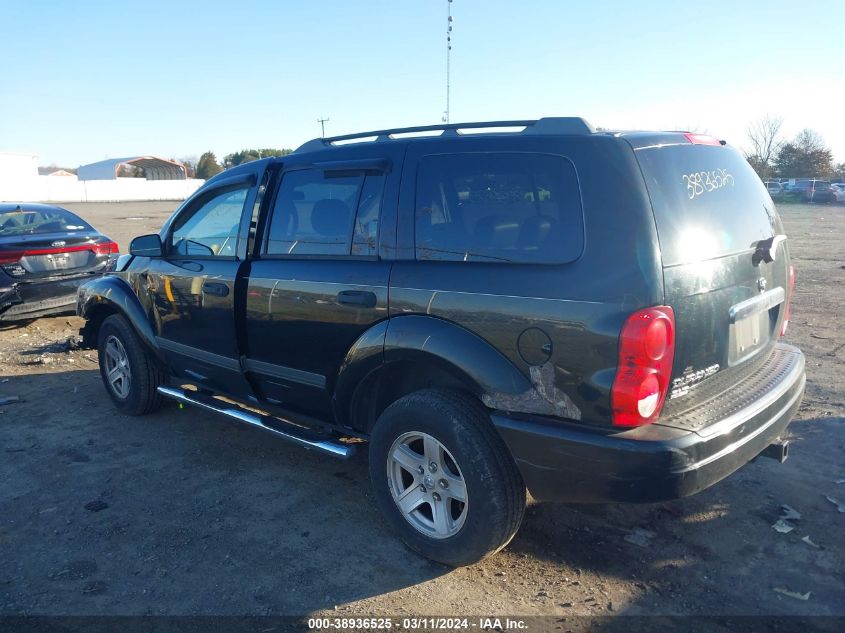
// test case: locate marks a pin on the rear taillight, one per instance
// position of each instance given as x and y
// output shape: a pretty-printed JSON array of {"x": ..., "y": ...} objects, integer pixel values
[
  {"x": 100, "y": 248},
  {"x": 646, "y": 351},
  {"x": 788, "y": 299},
  {"x": 106, "y": 248}
]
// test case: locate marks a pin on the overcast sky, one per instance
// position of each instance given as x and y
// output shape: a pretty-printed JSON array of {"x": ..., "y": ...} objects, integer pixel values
[{"x": 83, "y": 81}]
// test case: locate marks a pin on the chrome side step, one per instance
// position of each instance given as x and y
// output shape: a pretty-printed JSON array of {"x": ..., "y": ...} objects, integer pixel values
[{"x": 289, "y": 432}]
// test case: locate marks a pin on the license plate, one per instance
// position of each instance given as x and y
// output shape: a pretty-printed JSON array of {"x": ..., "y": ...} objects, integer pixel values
[
  {"x": 58, "y": 262},
  {"x": 748, "y": 335}
]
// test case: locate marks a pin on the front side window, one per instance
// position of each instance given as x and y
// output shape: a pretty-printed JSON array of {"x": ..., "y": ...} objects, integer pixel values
[
  {"x": 315, "y": 214},
  {"x": 212, "y": 230},
  {"x": 498, "y": 207}
]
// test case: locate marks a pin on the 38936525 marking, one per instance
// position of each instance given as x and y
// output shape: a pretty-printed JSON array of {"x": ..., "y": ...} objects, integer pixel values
[{"x": 701, "y": 182}]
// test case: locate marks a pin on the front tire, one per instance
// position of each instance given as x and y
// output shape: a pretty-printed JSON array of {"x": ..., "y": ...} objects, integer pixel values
[
  {"x": 129, "y": 372},
  {"x": 444, "y": 479}
]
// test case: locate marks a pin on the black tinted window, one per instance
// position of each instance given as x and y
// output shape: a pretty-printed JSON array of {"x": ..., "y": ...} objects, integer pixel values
[
  {"x": 313, "y": 214},
  {"x": 506, "y": 207}
]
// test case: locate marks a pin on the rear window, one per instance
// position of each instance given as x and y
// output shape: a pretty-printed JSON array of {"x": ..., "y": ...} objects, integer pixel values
[
  {"x": 708, "y": 201},
  {"x": 21, "y": 221},
  {"x": 498, "y": 207}
]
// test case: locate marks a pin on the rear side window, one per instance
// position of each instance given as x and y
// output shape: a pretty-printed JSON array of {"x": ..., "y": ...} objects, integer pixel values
[
  {"x": 708, "y": 201},
  {"x": 498, "y": 207},
  {"x": 314, "y": 214}
]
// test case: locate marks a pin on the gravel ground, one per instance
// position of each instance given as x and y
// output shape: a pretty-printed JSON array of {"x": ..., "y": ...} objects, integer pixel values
[{"x": 184, "y": 513}]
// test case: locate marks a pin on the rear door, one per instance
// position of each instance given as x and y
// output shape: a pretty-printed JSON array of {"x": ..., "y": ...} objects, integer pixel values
[
  {"x": 725, "y": 261},
  {"x": 320, "y": 279},
  {"x": 193, "y": 287}
]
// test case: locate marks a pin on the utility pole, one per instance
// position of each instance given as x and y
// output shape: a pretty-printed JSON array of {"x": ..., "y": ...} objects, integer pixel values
[
  {"x": 322, "y": 123},
  {"x": 448, "y": 58}
]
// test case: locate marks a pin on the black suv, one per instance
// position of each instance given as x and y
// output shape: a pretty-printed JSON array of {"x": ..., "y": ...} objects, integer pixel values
[{"x": 594, "y": 316}]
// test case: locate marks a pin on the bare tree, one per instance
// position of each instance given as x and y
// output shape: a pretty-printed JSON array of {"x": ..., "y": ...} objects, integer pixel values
[
  {"x": 809, "y": 141},
  {"x": 765, "y": 141}
]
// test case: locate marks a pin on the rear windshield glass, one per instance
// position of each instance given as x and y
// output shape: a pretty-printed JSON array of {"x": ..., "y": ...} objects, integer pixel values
[
  {"x": 28, "y": 221},
  {"x": 498, "y": 207},
  {"x": 707, "y": 201}
]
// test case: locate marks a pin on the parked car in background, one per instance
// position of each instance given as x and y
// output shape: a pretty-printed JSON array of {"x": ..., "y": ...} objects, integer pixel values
[
  {"x": 774, "y": 188},
  {"x": 812, "y": 190},
  {"x": 482, "y": 308},
  {"x": 46, "y": 252},
  {"x": 839, "y": 191}
]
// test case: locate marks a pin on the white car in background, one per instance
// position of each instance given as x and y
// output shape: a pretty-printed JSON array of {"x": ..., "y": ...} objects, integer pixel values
[
  {"x": 839, "y": 191},
  {"x": 774, "y": 188}
]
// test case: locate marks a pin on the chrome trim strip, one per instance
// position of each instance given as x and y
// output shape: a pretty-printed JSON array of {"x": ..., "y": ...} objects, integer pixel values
[
  {"x": 765, "y": 301},
  {"x": 335, "y": 449}
]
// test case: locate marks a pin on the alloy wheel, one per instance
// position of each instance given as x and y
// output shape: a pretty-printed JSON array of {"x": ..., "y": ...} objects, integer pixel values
[
  {"x": 118, "y": 374},
  {"x": 427, "y": 485}
]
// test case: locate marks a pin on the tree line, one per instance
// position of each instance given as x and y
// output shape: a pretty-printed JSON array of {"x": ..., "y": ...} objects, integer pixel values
[
  {"x": 207, "y": 165},
  {"x": 805, "y": 156}
]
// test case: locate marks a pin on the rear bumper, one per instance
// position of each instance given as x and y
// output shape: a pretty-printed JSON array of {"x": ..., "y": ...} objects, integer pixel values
[
  {"x": 30, "y": 300},
  {"x": 656, "y": 462}
]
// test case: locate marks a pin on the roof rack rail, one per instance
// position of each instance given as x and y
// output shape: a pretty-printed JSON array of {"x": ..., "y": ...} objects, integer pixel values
[{"x": 546, "y": 125}]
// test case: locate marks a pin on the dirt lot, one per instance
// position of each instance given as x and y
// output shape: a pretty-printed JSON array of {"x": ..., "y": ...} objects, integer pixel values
[{"x": 185, "y": 513}]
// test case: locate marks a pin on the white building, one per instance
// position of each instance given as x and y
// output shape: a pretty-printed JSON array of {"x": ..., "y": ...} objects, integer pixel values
[{"x": 98, "y": 182}]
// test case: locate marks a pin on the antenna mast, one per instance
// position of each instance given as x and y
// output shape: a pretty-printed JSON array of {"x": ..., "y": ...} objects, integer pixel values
[
  {"x": 322, "y": 123},
  {"x": 448, "y": 58}
]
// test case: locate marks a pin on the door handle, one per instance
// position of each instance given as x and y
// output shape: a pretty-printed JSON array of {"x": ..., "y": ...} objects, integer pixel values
[
  {"x": 360, "y": 298},
  {"x": 215, "y": 288}
]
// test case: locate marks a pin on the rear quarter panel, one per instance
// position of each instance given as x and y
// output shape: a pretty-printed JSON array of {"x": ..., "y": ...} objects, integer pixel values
[{"x": 578, "y": 307}]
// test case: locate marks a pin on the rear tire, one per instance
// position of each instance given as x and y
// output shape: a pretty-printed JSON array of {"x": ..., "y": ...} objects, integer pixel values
[
  {"x": 129, "y": 372},
  {"x": 472, "y": 462}
]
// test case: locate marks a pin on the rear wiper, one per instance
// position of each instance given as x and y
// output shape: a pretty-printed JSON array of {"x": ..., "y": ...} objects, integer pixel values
[{"x": 765, "y": 250}]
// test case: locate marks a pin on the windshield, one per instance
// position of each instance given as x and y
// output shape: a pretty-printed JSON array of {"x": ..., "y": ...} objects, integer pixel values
[{"x": 20, "y": 221}]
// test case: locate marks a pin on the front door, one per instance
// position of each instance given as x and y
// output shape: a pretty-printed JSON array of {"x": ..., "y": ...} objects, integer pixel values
[{"x": 194, "y": 290}]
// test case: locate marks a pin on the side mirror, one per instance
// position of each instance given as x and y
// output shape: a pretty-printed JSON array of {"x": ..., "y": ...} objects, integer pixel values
[{"x": 146, "y": 246}]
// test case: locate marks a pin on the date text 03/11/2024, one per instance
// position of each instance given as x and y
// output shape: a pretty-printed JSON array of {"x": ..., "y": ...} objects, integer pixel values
[{"x": 418, "y": 623}]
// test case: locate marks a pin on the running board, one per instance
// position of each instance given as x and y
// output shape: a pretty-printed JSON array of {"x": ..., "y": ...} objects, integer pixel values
[{"x": 290, "y": 432}]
